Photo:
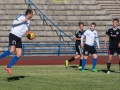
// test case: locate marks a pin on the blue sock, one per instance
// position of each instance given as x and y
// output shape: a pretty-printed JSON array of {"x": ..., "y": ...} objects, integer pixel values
[
  {"x": 83, "y": 63},
  {"x": 5, "y": 54},
  {"x": 94, "y": 62},
  {"x": 14, "y": 60}
]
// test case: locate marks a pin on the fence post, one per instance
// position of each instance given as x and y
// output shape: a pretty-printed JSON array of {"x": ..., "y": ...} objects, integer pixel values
[
  {"x": 23, "y": 50},
  {"x": 59, "y": 50},
  {"x": 8, "y": 47},
  {"x": 28, "y": 3},
  {"x": 60, "y": 36}
]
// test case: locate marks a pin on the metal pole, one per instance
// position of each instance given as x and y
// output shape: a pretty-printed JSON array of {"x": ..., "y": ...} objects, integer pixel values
[
  {"x": 60, "y": 36},
  {"x": 28, "y": 4},
  {"x": 23, "y": 50},
  {"x": 59, "y": 50},
  {"x": 43, "y": 19}
]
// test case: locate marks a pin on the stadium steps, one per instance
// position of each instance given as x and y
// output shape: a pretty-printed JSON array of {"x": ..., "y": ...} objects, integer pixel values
[
  {"x": 112, "y": 7},
  {"x": 66, "y": 15},
  {"x": 60, "y": 23}
]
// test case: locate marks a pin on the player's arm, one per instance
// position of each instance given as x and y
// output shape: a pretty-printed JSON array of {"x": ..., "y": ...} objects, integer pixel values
[
  {"x": 97, "y": 40},
  {"x": 82, "y": 38},
  {"x": 105, "y": 41},
  {"x": 19, "y": 20},
  {"x": 82, "y": 41},
  {"x": 106, "y": 38},
  {"x": 98, "y": 44},
  {"x": 119, "y": 41},
  {"x": 27, "y": 29},
  {"x": 75, "y": 38}
]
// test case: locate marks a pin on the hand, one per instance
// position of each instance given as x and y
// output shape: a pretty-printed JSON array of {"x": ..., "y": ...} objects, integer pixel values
[
  {"x": 82, "y": 45},
  {"x": 27, "y": 32},
  {"x": 98, "y": 48},
  {"x": 105, "y": 46},
  {"x": 25, "y": 20},
  {"x": 118, "y": 45}
]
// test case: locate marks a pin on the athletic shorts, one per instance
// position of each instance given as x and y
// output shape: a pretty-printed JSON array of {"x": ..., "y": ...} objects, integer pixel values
[
  {"x": 14, "y": 40},
  {"x": 111, "y": 51},
  {"x": 79, "y": 50},
  {"x": 89, "y": 49}
]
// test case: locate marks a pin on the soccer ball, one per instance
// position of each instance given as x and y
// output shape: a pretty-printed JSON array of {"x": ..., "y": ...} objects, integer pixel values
[{"x": 31, "y": 35}]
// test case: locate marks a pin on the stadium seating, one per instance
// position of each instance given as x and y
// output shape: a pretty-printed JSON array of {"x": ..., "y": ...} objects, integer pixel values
[{"x": 65, "y": 15}]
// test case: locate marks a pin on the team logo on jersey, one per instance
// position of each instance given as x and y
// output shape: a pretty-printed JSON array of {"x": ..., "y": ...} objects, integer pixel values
[
  {"x": 117, "y": 32},
  {"x": 79, "y": 35},
  {"x": 94, "y": 33},
  {"x": 113, "y": 35}
]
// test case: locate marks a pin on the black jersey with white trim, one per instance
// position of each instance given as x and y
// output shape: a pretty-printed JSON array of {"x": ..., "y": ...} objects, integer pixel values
[
  {"x": 114, "y": 37},
  {"x": 78, "y": 34}
]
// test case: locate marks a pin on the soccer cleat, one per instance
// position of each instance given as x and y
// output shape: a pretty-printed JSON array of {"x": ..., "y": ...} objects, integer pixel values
[
  {"x": 79, "y": 67},
  {"x": 94, "y": 70},
  {"x": 108, "y": 72},
  {"x": 8, "y": 70},
  {"x": 66, "y": 63},
  {"x": 82, "y": 70}
]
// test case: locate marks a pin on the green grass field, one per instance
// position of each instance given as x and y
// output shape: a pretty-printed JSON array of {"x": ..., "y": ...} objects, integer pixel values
[{"x": 57, "y": 77}]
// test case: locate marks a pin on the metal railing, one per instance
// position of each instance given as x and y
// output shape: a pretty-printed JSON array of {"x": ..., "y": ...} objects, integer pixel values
[
  {"x": 44, "y": 17},
  {"x": 54, "y": 49},
  {"x": 47, "y": 49}
]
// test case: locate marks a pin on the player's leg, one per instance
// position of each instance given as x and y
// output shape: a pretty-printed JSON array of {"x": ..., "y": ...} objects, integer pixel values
[
  {"x": 80, "y": 63},
  {"x": 71, "y": 59},
  {"x": 84, "y": 63},
  {"x": 118, "y": 53},
  {"x": 75, "y": 57},
  {"x": 85, "y": 56},
  {"x": 81, "y": 57},
  {"x": 16, "y": 57},
  {"x": 94, "y": 62},
  {"x": 109, "y": 64},
  {"x": 119, "y": 63},
  {"x": 12, "y": 43},
  {"x": 111, "y": 52}
]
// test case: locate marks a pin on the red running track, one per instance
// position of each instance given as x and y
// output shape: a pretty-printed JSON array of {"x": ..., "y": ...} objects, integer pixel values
[{"x": 53, "y": 60}]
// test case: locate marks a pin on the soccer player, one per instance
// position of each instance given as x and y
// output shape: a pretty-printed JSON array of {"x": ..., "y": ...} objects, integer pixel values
[
  {"x": 20, "y": 26},
  {"x": 114, "y": 42},
  {"x": 91, "y": 35},
  {"x": 77, "y": 37}
]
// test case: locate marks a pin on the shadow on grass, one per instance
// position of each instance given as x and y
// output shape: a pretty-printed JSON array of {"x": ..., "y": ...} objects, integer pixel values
[
  {"x": 73, "y": 66},
  {"x": 14, "y": 78},
  {"x": 105, "y": 71}
]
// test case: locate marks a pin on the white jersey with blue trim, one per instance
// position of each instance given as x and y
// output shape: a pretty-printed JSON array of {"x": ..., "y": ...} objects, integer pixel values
[
  {"x": 19, "y": 28},
  {"x": 90, "y": 37}
]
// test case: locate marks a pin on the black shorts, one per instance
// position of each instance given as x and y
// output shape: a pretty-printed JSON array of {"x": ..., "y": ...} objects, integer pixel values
[
  {"x": 89, "y": 49},
  {"x": 79, "y": 50},
  {"x": 14, "y": 40},
  {"x": 111, "y": 51}
]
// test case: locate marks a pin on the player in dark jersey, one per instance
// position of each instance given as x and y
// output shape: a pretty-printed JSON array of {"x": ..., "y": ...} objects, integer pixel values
[
  {"x": 79, "y": 50},
  {"x": 114, "y": 42}
]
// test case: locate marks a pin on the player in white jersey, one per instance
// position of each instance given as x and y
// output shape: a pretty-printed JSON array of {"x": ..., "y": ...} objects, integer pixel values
[
  {"x": 91, "y": 35},
  {"x": 20, "y": 27}
]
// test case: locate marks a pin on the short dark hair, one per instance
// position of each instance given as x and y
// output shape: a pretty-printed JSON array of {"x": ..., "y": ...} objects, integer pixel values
[
  {"x": 93, "y": 23},
  {"x": 80, "y": 23},
  {"x": 28, "y": 11},
  {"x": 116, "y": 19}
]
